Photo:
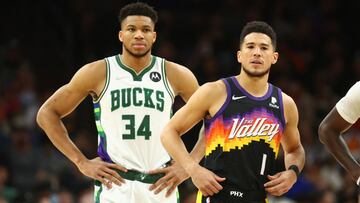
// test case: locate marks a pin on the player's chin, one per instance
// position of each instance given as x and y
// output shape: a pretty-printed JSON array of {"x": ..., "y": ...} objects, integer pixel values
[{"x": 140, "y": 53}]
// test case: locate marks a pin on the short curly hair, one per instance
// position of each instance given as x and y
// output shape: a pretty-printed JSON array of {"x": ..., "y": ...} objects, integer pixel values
[{"x": 138, "y": 9}]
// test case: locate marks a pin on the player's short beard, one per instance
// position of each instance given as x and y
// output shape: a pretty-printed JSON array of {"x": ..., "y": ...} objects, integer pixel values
[
  {"x": 136, "y": 55},
  {"x": 255, "y": 74}
]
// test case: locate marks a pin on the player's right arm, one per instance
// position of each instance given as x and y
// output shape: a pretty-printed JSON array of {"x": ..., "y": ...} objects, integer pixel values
[
  {"x": 338, "y": 120},
  {"x": 198, "y": 106},
  {"x": 88, "y": 80}
]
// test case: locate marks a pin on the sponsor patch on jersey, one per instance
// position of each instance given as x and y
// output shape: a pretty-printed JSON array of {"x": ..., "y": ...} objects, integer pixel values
[
  {"x": 155, "y": 76},
  {"x": 274, "y": 103}
]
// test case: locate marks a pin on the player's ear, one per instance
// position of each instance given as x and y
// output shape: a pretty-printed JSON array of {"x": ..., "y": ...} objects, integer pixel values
[
  {"x": 154, "y": 37},
  {"x": 275, "y": 57},
  {"x": 121, "y": 35},
  {"x": 239, "y": 56}
]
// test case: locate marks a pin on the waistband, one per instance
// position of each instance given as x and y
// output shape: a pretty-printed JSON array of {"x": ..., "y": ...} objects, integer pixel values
[
  {"x": 228, "y": 194},
  {"x": 135, "y": 175},
  {"x": 139, "y": 176}
]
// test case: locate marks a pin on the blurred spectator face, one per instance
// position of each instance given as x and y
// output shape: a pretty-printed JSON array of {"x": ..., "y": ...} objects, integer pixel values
[
  {"x": 45, "y": 200},
  {"x": 137, "y": 35},
  {"x": 257, "y": 54},
  {"x": 21, "y": 140},
  {"x": 65, "y": 197},
  {"x": 3, "y": 175},
  {"x": 328, "y": 197},
  {"x": 87, "y": 197}
]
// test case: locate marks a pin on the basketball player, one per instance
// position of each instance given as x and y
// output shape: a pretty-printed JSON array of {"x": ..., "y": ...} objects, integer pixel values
[
  {"x": 133, "y": 95},
  {"x": 246, "y": 120},
  {"x": 345, "y": 113}
]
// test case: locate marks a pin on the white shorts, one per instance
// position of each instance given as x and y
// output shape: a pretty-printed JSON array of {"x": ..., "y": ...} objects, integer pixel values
[{"x": 132, "y": 192}]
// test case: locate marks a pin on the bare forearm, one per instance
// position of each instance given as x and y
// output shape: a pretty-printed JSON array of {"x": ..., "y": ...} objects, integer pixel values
[
  {"x": 197, "y": 153},
  {"x": 338, "y": 148},
  {"x": 295, "y": 157},
  {"x": 177, "y": 150},
  {"x": 58, "y": 135}
]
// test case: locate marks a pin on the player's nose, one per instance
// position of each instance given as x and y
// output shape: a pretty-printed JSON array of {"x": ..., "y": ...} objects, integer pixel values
[
  {"x": 139, "y": 34},
  {"x": 257, "y": 51}
]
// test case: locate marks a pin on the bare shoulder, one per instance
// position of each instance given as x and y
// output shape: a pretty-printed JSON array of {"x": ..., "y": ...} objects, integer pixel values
[
  {"x": 213, "y": 96},
  {"x": 172, "y": 69},
  {"x": 96, "y": 69},
  {"x": 290, "y": 109},
  {"x": 181, "y": 79},
  {"x": 287, "y": 100},
  {"x": 212, "y": 91},
  {"x": 90, "y": 77},
  {"x": 216, "y": 87}
]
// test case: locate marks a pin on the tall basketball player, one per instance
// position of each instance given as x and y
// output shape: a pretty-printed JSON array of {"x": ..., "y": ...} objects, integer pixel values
[
  {"x": 246, "y": 121},
  {"x": 344, "y": 114},
  {"x": 133, "y": 95}
]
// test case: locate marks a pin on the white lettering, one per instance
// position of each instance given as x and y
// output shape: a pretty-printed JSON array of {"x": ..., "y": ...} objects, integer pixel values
[
  {"x": 251, "y": 128},
  {"x": 236, "y": 193}
]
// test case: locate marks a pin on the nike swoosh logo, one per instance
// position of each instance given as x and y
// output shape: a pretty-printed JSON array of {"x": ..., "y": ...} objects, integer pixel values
[{"x": 237, "y": 98}]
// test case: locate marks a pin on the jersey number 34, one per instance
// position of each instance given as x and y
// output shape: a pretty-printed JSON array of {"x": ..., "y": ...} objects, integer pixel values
[{"x": 143, "y": 130}]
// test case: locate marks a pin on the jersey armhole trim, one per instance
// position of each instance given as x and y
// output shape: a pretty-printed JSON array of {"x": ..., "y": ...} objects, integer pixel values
[
  {"x": 166, "y": 81},
  {"x": 281, "y": 107},
  {"x": 106, "y": 82}
]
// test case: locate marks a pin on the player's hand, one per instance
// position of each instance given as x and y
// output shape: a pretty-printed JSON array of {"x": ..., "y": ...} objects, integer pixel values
[
  {"x": 206, "y": 181},
  {"x": 280, "y": 183},
  {"x": 174, "y": 175},
  {"x": 102, "y": 171}
]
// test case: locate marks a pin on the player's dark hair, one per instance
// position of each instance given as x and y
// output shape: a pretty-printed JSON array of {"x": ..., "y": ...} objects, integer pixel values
[
  {"x": 138, "y": 9},
  {"x": 259, "y": 27}
]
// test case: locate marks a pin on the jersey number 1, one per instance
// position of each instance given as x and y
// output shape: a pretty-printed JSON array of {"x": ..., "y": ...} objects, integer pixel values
[
  {"x": 263, "y": 163},
  {"x": 143, "y": 130}
]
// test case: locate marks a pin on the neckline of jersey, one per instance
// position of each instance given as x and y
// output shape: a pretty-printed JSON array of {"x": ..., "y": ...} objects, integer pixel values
[
  {"x": 137, "y": 77},
  {"x": 246, "y": 93}
]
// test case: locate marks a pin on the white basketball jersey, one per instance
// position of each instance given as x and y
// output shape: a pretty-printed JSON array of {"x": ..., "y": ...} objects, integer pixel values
[
  {"x": 131, "y": 112},
  {"x": 349, "y": 106}
]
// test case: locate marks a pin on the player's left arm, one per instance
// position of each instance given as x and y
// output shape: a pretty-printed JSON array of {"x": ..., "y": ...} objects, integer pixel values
[
  {"x": 184, "y": 84},
  {"x": 294, "y": 153}
]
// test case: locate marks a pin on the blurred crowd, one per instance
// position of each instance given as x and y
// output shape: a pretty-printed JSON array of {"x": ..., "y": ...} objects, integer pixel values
[{"x": 43, "y": 43}]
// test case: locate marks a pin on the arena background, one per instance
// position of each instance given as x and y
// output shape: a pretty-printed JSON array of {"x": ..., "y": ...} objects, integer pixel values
[{"x": 43, "y": 43}]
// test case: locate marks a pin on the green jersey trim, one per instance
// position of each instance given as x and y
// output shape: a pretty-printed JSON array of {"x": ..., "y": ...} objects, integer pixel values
[
  {"x": 97, "y": 195},
  {"x": 177, "y": 196},
  {"x": 136, "y": 77},
  {"x": 106, "y": 82},
  {"x": 167, "y": 85},
  {"x": 102, "y": 146}
]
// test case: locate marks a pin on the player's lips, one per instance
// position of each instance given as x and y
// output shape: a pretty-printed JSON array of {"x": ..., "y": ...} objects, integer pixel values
[
  {"x": 256, "y": 61},
  {"x": 139, "y": 46}
]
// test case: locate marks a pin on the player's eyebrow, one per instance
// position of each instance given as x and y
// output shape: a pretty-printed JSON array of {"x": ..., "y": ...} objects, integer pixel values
[
  {"x": 261, "y": 44},
  {"x": 134, "y": 26}
]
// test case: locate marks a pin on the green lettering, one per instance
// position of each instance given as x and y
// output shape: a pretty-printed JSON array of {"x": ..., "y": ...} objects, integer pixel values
[
  {"x": 126, "y": 94},
  {"x": 160, "y": 100},
  {"x": 148, "y": 102},
  {"x": 136, "y": 91},
  {"x": 115, "y": 99}
]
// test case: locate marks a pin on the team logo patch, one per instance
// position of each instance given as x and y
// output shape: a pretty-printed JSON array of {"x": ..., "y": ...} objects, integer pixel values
[{"x": 155, "y": 76}]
